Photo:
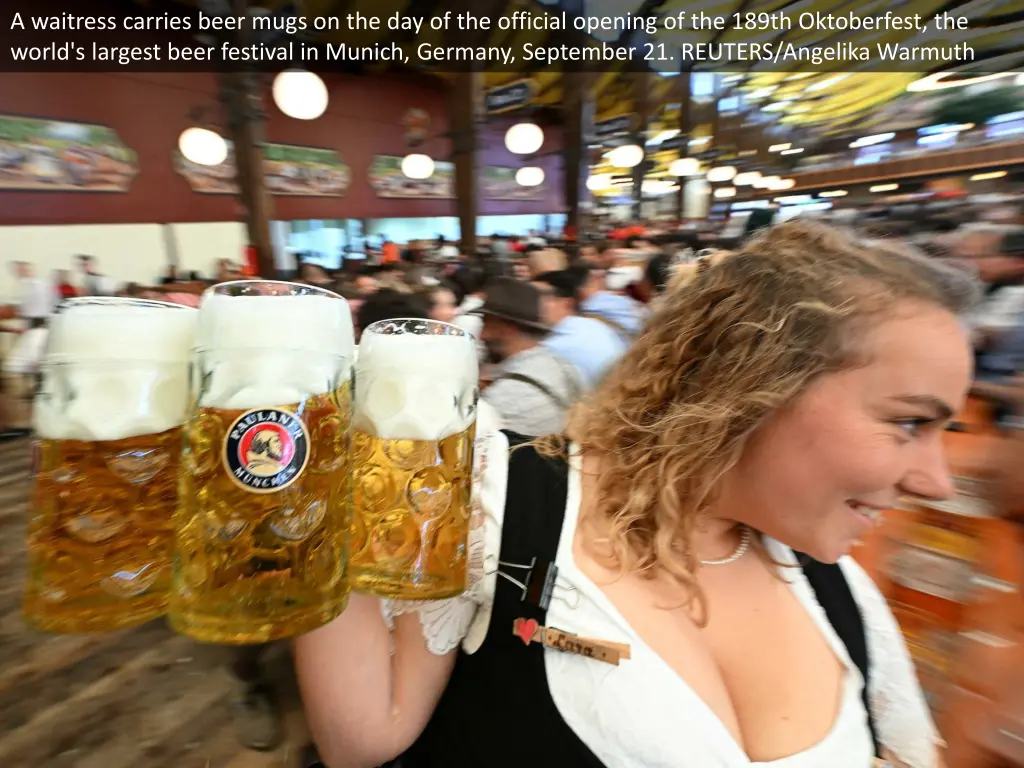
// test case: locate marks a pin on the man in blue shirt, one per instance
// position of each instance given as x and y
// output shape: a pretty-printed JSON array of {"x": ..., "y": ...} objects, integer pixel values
[{"x": 590, "y": 343}]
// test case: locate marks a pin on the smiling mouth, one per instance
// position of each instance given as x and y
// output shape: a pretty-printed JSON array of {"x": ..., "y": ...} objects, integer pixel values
[{"x": 874, "y": 514}]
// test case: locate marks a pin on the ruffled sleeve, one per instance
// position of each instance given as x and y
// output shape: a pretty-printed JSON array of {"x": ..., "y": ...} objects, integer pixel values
[
  {"x": 464, "y": 619},
  {"x": 902, "y": 717}
]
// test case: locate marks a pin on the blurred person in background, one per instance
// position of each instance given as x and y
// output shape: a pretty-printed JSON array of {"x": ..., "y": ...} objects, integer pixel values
[
  {"x": 37, "y": 296},
  {"x": 387, "y": 304},
  {"x": 657, "y": 274},
  {"x": 93, "y": 282},
  {"x": 440, "y": 300},
  {"x": 614, "y": 306},
  {"x": 531, "y": 388},
  {"x": 589, "y": 344},
  {"x": 62, "y": 280},
  {"x": 547, "y": 260},
  {"x": 366, "y": 282}
]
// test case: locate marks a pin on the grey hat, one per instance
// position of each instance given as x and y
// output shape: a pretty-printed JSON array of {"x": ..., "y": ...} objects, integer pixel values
[{"x": 515, "y": 301}]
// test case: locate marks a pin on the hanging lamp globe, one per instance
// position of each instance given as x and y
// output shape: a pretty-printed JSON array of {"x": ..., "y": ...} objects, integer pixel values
[
  {"x": 530, "y": 176},
  {"x": 417, "y": 166},
  {"x": 626, "y": 156},
  {"x": 300, "y": 94},
  {"x": 524, "y": 138},
  {"x": 202, "y": 146},
  {"x": 684, "y": 166}
]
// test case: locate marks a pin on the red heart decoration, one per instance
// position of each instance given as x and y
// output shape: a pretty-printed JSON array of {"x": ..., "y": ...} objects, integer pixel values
[{"x": 526, "y": 629}]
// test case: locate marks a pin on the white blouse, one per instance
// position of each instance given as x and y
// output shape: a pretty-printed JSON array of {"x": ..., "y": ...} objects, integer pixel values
[{"x": 641, "y": 714}]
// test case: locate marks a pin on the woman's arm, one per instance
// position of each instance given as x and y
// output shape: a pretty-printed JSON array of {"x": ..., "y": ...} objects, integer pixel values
[
  {"x": 365, "y": 705},
  {"x": 368, "y": 696}
]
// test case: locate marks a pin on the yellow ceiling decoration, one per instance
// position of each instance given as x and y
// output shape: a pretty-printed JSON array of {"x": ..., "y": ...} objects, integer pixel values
[{"x": 808, "y": 99}]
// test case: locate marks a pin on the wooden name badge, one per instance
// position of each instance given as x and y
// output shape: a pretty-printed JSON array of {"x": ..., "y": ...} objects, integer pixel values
[{"x": 529, "y": 631}]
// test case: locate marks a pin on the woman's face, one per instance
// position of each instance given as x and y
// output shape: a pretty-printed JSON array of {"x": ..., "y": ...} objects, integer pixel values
[
  {"x": 819, "y": 471},
  {"x": 443, "y": 309}
]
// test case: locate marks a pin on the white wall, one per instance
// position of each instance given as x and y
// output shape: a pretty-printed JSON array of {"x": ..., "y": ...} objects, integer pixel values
[
  {"x": 200, "y": 246},
  {"x": 126, "y": 252}
]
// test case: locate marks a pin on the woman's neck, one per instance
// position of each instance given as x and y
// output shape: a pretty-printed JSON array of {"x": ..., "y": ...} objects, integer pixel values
[{"x": 716, "y": 538}]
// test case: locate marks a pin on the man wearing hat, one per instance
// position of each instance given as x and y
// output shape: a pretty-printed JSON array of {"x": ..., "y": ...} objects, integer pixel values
[{"x": 533, "y": 387}]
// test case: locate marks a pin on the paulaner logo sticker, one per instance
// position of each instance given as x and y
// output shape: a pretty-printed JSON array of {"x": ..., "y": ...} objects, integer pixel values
[{"x": 266, "y": 450}]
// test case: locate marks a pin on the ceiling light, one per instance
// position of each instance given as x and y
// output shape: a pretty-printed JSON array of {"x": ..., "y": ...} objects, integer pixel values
[
  {"x": 626, "y": 156},
  {"x": 684, "y": 166},
  {"x": 766, "y": 182},
  {"x": 657, "y": 186},
  {"x": 747, "y": 178},
  {"x": 867, "y": 141},
  {"x": 721, "y": 173},
  {"x": 417, "y": 166},
  {"x": 793, "y": 199},
  {"x": 884, "y": 187},
  {"x": 524, "y": 138},
  {"x": 779, "y": 147},
  {"x": 530, "y": 176},
  {"x": 723, "y": 192},
  {"x": 988, "y": 175},
  {"x": 202, "y": 146},
  {"x": 300, "y": 94},
  {"x": 834, "y": 193},
  {"x": 822, "y": 84},
  {"x": 664, "y": 136},
  {"x": 795, "y": 151},
  {"x": 783, "y": 184},
  {"x": 598, "y": 181},
  {"x": 941, "y": 80}
]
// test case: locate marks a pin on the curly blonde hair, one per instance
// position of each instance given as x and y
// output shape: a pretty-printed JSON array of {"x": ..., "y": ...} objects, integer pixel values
[{"x": 729, "y": 344}]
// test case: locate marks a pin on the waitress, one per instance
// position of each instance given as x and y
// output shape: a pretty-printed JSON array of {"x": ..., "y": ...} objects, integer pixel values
[{"x": 669, "y": 584}]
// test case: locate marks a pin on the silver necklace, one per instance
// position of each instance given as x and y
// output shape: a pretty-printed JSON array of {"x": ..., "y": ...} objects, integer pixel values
[{"x": 741, "y": 549}]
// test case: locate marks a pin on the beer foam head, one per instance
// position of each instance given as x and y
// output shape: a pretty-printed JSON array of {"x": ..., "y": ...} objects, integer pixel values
[
  {"x": 115, "y": 369},
  {"x": 263, "y": 350},
  {"x": 413, "y": 386}
]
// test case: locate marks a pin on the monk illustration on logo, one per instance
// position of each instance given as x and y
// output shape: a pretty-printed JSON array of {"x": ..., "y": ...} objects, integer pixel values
[{"x": 265, "y": 455}]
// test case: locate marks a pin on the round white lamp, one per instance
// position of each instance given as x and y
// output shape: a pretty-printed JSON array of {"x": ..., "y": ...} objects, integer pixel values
[
  {"x": 417, "y": 166},
  {"x": 684, "y": 166},
  {"x": 202, "y": 146},
  {"x": 747, "y": 178},
  {"x": 300, "y": 94},
  {"x": 721, "y": 173},
  {"x": 530, "y": 176},
  {"x": 524, "y": 138},
  {"x": 725, "y": 192},
  {"x": 626, "y": 156},
  {"x": 599, "y": 181}
]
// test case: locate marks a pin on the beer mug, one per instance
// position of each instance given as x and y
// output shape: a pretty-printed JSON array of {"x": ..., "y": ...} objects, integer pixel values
[
  {"x": 113, "y": 397},
  {"x": 261, "y": 530},
  {"x": 412, "y": 458}
]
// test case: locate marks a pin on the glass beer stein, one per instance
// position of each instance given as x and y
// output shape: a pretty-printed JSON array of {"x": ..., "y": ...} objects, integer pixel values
[
  {"x": 261, "y": 530},
  {"x": 412, "y": 458},
  {"x": 107, "y": 418}
]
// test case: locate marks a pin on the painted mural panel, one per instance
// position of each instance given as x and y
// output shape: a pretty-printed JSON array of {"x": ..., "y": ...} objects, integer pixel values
[
  {"x": 290, "y": 170},
  {"x": 39, "y": 154}
]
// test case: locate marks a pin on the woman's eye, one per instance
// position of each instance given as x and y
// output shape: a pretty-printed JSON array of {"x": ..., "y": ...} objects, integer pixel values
[{"x": 912, "y": 426}]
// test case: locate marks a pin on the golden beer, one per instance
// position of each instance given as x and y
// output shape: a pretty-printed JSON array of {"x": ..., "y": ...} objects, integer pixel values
[
  {"x": 107, "y": 419},
  {"x": 262, "y": 526},
  {"x": 413, "y": 500},
  {"x": 100, "y": 535},
  {"x": 412, "y": 459}
]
